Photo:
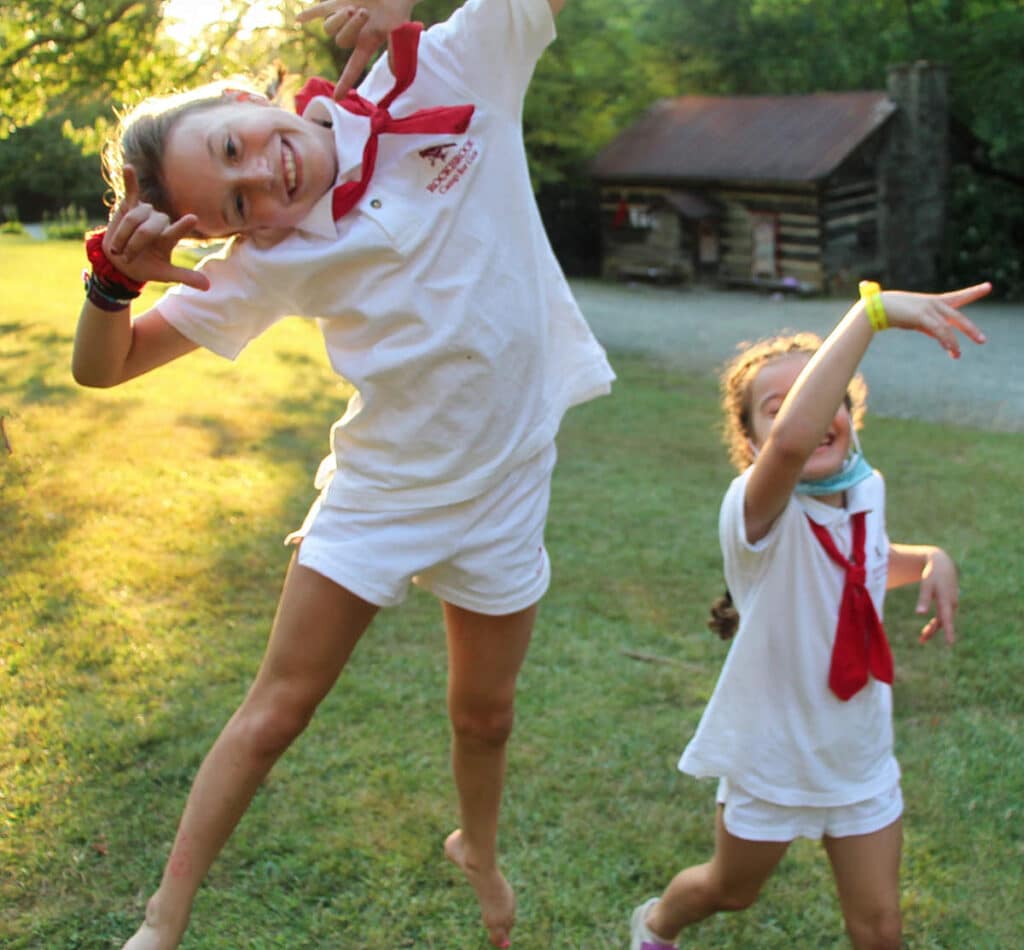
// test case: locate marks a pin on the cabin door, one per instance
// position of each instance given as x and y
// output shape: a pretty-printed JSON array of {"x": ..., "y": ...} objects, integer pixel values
[{"x": 764, "y": 261}]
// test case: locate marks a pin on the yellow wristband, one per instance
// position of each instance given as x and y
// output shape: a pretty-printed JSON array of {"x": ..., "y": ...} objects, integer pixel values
[{"x": 871, "y": 294}]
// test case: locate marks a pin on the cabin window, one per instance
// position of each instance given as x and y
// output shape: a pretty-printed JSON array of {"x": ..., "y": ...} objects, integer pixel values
[
  {"x": 707, "y": 243},
  {"x": 764, "y": 261}
]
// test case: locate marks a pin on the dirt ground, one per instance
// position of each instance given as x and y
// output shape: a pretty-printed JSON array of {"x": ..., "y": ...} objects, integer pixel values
[{"x": 908, "y": 376}]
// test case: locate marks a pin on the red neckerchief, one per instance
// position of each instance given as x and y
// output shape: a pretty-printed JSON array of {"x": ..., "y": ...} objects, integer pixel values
[
  {"x": 404, "y": 54},
  {"x": 860, "y": 646}
]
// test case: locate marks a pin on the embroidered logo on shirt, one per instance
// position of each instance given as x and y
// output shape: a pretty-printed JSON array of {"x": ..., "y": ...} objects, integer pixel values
[
  {"x": 457, "y": 166},
  {"x": 436, "y": 153}
]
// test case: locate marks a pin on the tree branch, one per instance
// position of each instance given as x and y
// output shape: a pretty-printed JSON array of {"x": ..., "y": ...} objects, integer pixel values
[
  {"x": 66, "y": 39},
  {"x": 984, "y": 167}
]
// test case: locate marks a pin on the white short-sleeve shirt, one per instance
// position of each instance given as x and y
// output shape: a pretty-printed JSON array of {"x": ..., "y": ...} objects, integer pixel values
[
  {"x": 772, "y": 725},
  {"x": 438, "y": 295}
]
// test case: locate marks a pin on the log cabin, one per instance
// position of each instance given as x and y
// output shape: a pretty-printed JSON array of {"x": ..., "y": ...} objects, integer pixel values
[{"x": 808, "y": 193}]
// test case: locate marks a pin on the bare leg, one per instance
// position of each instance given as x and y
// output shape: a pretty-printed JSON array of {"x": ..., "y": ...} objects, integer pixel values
[
  {"x": 867, "y": 872},
  {"x": 317, "y": 626},
  {"x": 731, "y": 880},
  {"x": 485, "y": 655}
]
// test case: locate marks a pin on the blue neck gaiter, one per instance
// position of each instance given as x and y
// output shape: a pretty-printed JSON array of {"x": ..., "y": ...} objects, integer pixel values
[{"x": 855, "y": 470}]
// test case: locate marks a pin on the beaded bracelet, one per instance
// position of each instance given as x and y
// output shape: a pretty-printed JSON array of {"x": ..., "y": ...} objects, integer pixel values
[
  {"x": 105, "y": 295},
  {"x": 871, "y": 294}
]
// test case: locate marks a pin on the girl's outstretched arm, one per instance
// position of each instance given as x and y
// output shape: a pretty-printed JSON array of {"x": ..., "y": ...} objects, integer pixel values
[
  {"x": 811, "y": 404},
  {"x": 935, "y": 569},
  {"x": 111, "y": 348}
]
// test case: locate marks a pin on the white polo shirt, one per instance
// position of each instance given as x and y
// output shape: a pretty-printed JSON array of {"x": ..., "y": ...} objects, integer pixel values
[
  {"x": 438, "y": 295},
  {"x": 772, "y": 725}
]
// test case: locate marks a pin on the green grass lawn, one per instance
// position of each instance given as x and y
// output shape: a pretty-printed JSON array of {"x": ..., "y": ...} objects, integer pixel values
[{"x": 140, "y": 567}]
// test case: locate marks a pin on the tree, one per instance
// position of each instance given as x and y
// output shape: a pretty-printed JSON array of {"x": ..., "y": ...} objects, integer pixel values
[
  {"x": 43, "y": 169},
  {"x": 53, "y": 50},
  {"x": 78, "y": 60}
]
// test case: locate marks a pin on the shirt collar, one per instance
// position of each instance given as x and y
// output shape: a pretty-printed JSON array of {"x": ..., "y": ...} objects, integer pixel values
[
  {"x": 350, "y": 133},
  {"x": 320, "y": 220},
  {"x": 860, "y": 497}
]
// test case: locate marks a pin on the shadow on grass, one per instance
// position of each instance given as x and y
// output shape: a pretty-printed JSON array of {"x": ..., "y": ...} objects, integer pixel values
[
  {"x": 36, "y": 372},
  {"x": 342, "y": 845},
  {"x": 120, "y": 676}
]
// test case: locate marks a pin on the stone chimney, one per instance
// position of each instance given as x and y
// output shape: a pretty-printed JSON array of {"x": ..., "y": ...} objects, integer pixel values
[{"x": 915, "y": 176}]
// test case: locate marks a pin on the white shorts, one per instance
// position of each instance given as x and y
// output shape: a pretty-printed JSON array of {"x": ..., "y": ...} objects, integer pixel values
[
  {"x": 754, "y": 819},
  {"x": 486, "y": 554}
]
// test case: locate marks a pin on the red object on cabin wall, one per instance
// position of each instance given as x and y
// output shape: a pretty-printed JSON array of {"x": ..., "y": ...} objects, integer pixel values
[{"x": 621, "y": 214}]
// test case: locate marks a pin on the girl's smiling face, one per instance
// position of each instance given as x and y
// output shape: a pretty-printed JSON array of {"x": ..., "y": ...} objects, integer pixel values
[
  {"x": 247, "y": 167},
  {"x": 768, "y": 389}
]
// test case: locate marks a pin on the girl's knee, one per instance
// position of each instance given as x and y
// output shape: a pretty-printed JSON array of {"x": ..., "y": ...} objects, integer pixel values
[
  {"x": 736, "y": 899},
  {"x": 881, "y": 930},
  {"x": 269, "y": 727},
  {"x": 729, "y": 896},
  {"x": 483, "y": 725}
]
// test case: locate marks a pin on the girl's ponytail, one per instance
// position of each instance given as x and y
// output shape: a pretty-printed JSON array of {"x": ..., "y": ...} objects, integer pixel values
[{"x": 725, "y": 618}]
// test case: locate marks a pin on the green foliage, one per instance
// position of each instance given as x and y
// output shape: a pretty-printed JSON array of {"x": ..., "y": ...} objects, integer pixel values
[
  {"x": 54, "y": 53},
  {"x": 140, "y": 568},
  {"x": 43, "y": 169},
  {"x": 986, "y": 234},
  {"x": 579, "y": 97},
  {"x": 70, "y": 223},
  {"x": 76, "y": 62}
]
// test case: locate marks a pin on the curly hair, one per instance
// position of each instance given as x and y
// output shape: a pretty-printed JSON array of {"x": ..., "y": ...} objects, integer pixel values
[{"x": 738, "y": 375}]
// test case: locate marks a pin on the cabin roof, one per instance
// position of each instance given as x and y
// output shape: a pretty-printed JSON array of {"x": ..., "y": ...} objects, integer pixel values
[{"x": 799, "y": 138}]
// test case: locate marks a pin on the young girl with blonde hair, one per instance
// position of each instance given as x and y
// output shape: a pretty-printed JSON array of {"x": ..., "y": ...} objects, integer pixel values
[
  {"x": 402, "y": 217},
  {"x": 798, "y": 730}
]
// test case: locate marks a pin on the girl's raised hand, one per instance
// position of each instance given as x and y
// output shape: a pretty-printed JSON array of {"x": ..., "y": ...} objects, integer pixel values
[
  {"x": 362, "y": 27},
  {"x": 140, "y": 240},
  {"x": 937, "y": 315}
]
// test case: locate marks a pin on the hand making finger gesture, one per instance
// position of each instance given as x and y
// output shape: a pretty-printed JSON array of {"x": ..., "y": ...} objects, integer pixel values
[
  {"x": 139, "y": 240},
  {"x": 364, "y": 28},
  {"x": 937, "y": 315}
]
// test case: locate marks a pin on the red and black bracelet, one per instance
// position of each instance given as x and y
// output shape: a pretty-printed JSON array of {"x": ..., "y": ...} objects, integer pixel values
[{"x": 106, "y": 287}]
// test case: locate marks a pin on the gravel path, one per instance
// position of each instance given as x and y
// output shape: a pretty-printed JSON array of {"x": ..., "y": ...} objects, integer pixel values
[{"x": 908, "y": 376}]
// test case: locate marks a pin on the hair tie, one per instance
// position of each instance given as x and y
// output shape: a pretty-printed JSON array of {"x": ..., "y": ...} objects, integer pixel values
[
  {"x": 102, "y": 267},
  {"x": 105, "y": 286}
]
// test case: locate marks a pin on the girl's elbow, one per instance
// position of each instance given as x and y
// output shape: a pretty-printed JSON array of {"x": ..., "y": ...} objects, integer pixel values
[
  {"x": 789, "y": 447},
  {"x": 88, "y": 377}
]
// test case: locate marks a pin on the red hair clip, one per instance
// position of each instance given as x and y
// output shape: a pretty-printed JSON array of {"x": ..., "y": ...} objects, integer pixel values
[{"x": 244, "y": 95}]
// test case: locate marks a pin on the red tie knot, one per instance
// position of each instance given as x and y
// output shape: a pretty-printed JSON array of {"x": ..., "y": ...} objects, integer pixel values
[
  {"x": 378, "y": 120},
  {"x": 857, "y": 574}
]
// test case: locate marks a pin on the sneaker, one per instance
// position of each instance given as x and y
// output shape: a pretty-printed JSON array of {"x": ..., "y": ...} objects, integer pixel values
[{"x": 640, "y": 937}]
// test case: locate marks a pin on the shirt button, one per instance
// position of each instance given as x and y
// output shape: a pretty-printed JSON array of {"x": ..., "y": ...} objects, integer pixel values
[{"x": 375, "y": 203}]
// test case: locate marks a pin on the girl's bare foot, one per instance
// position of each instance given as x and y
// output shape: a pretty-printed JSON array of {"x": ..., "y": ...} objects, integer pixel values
[
  {"x": 148, "y": 938},
  {"x": 156, "y": 934},
  {"x": 145, "y": 938},
  {"x": 493, "y": 893}
]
